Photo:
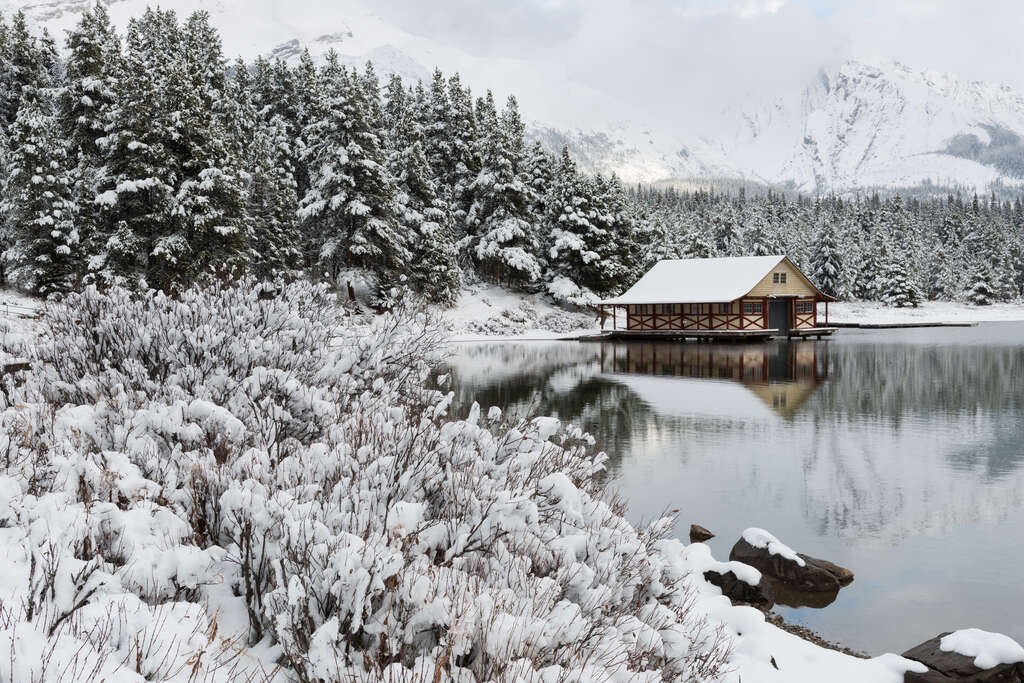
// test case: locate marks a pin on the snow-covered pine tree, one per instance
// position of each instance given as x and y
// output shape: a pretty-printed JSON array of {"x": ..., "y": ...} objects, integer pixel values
[
  {"x": 45, "y": 255},
  {"x": 570, "y": 229},
  {"x": 94, "y": 49},
  {"x": 435, "y": 117},
  {"x": 464, "y": 164},
  {"x": 434, "y": 270},
  {"x": 350, "y": 206},
  {"x": 895, "y": 287},
  {"x": 539, "y": 175},
  {"x": 273, "y": 202},
  {"x": 211, "y": 232},
  {"x": 500, "y": 233},
  {"x": 27, "y": 65},
  {"x": 980, "y": 291},
  {"x": 827, "y": 260},
  {"x": 136, "y": 194}
]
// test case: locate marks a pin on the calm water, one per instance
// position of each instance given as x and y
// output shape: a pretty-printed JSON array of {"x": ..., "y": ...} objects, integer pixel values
[{"x": 896, "y": 453}]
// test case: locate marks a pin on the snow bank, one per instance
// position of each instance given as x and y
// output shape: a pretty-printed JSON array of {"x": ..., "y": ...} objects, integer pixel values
[
  {"x": 930, "y": 311},
  {"x": 759, "y": 538},
  {"x": 988, "y": 649},
  {"x": 489, "y": 312}
]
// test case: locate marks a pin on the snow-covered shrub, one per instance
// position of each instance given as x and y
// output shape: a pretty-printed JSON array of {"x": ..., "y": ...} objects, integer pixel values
[{"x": 212, "y": 486}]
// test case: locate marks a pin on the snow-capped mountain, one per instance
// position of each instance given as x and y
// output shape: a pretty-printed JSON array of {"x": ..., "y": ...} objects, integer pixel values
[
  {"x": 853, "y": 127},
  {"x": 889, "y": 125}
]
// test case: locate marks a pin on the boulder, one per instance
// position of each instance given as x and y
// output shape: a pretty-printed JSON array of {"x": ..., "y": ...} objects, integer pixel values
[
  {"x": 699, "y": 534},
  {"x": 802, "y": 573},
  {"x": 953, "y": 667},
  {"x": 843, "y": 575},
  {"x": 738, "y": 590}
]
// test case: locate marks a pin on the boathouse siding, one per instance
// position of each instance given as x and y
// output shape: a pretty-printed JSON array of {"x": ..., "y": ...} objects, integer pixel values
[{"x": 744, "y": 294}]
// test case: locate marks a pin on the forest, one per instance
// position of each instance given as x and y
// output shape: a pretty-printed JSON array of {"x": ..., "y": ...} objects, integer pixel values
[{"x": 149, "y": 160}]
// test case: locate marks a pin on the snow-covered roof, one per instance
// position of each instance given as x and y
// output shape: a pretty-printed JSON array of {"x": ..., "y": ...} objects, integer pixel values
[{"x": 701, "y": 280}]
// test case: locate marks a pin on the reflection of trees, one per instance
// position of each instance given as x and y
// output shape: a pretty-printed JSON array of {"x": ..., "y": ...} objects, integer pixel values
[{"x": 901, "y": 439}]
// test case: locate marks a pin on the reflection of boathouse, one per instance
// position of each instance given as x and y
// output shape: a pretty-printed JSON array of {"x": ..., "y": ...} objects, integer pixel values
[
  {"x": 750, "y": 297},
  {"x": 782, "y": 376}
]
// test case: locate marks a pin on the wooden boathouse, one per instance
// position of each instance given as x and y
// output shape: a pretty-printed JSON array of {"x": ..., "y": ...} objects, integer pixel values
[{"x": 746, "y": 297}]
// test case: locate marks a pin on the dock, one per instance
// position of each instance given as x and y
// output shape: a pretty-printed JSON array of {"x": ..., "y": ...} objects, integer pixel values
[{"x": 754, "y": 335}]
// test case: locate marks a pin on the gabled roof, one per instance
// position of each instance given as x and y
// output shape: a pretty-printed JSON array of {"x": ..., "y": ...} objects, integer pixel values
[{"x": 700, "y": 280}]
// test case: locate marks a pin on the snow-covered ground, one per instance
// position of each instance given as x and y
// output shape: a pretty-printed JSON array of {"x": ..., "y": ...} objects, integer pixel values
[
  {"x": 492, "y": 313},
  {"x": 931, "y": 311},
  {"x": 18, "y": 324}
]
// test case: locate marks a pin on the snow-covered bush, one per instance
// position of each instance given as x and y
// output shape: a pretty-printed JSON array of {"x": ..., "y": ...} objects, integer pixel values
[{"x": 239, "y": 484}]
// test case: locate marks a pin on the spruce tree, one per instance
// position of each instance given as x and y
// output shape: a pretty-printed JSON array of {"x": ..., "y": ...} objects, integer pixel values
[
  {"x": 501, "y": 235},
  {"x": 826, "y": 262},
  {"x": 980, "y": 291},
  {"x": 45, "y": 255},
  {"x": 273, "y": 202},
  {"x": 350, "y": 205}
]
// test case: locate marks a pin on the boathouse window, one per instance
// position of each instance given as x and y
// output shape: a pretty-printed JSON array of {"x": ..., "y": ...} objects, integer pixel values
[
  {"x": 692, "y": 308},
  {"x": 775, "y": 278},
  {"x": 751, "y": 307},
  {"x": 805, "y": 307},
  {"x": 725, "y": 308}
]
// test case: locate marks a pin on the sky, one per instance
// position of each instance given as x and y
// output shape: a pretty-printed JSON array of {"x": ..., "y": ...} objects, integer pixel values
[{"x": 708, "y": 52}]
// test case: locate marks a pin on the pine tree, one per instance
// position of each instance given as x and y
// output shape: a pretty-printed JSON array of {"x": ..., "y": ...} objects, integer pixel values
[
  {"x": 28, "y": 66},
  {"x": 434, "y": 270},
  {"x": 980, "y": 291},
  {"x": 137, "y": 194},
  {"x": 273, "y": 202},
  {"x": 45, "y": 255},
  {"x": 895, "y": 288},
  {"x": 500, "y": 233},
  {"x": 350, "y": 204},
  {"x": 85, "y": 103},
  {"x": 826, "y": 263}
]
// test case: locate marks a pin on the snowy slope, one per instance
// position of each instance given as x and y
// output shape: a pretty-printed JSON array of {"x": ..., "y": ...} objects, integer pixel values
[
  {"x": 857, "y": 126},
  {"x": 888, "y": 125}
]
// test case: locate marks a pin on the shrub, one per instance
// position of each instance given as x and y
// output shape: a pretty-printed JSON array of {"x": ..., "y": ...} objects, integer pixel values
[{"x": 210, "y": 486}]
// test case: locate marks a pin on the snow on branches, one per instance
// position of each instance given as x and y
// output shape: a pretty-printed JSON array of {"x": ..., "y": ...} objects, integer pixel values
[{"x": 241, "y": 484}]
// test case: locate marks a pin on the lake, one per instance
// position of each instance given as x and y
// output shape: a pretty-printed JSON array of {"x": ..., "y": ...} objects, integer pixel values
[{"x": 896, "y": 453}]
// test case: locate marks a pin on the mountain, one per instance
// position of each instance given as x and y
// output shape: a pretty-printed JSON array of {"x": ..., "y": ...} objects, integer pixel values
[{"x": 855, "y": 127}]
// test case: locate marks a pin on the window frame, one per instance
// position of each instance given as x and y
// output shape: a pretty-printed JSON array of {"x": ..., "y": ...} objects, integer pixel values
[
  {"x": 755, "y": 308},
  {"x": 725, "y": 309}
]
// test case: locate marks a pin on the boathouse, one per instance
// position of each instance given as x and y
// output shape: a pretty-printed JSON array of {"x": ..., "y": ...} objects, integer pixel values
[{"x": 752, "y": 297}]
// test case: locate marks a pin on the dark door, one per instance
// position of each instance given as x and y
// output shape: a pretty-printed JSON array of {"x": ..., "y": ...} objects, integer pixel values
[{"x": 778, "y": 316}]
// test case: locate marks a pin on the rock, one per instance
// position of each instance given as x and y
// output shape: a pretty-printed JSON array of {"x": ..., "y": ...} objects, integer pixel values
[
  {"x": 952, "y": 667},
  {"x": 699, "y": 534},
  {"x": 843, "y": 575},
  {"x": 815, "y": 576},
  {"x": 740, "y": 591}
]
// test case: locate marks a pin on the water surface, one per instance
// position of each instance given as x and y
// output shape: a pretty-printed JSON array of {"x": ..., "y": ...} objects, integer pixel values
[{"x": 896, "y": 453}]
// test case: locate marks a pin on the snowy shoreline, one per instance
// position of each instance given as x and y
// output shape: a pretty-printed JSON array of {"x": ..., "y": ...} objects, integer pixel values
[{"x": 492, "y": 314}]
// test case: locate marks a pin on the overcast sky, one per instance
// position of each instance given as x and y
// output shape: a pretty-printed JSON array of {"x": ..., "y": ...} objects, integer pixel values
[{"x": 704, "y": 52}]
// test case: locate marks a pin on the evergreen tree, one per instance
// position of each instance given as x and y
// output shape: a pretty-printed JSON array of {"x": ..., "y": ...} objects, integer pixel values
[
  {"x": 827, "y": 264},
  {"x": 980, "y": 291},
  {"x": 350, "y": 204},
  {"x": 501, "y": 235},
  {"x": 45, "y": 255},
  {"x": 273, "y": 202}
]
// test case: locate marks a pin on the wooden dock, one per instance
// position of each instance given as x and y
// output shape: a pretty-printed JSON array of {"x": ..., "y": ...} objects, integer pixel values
[{"x": 706, "y": 335}]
